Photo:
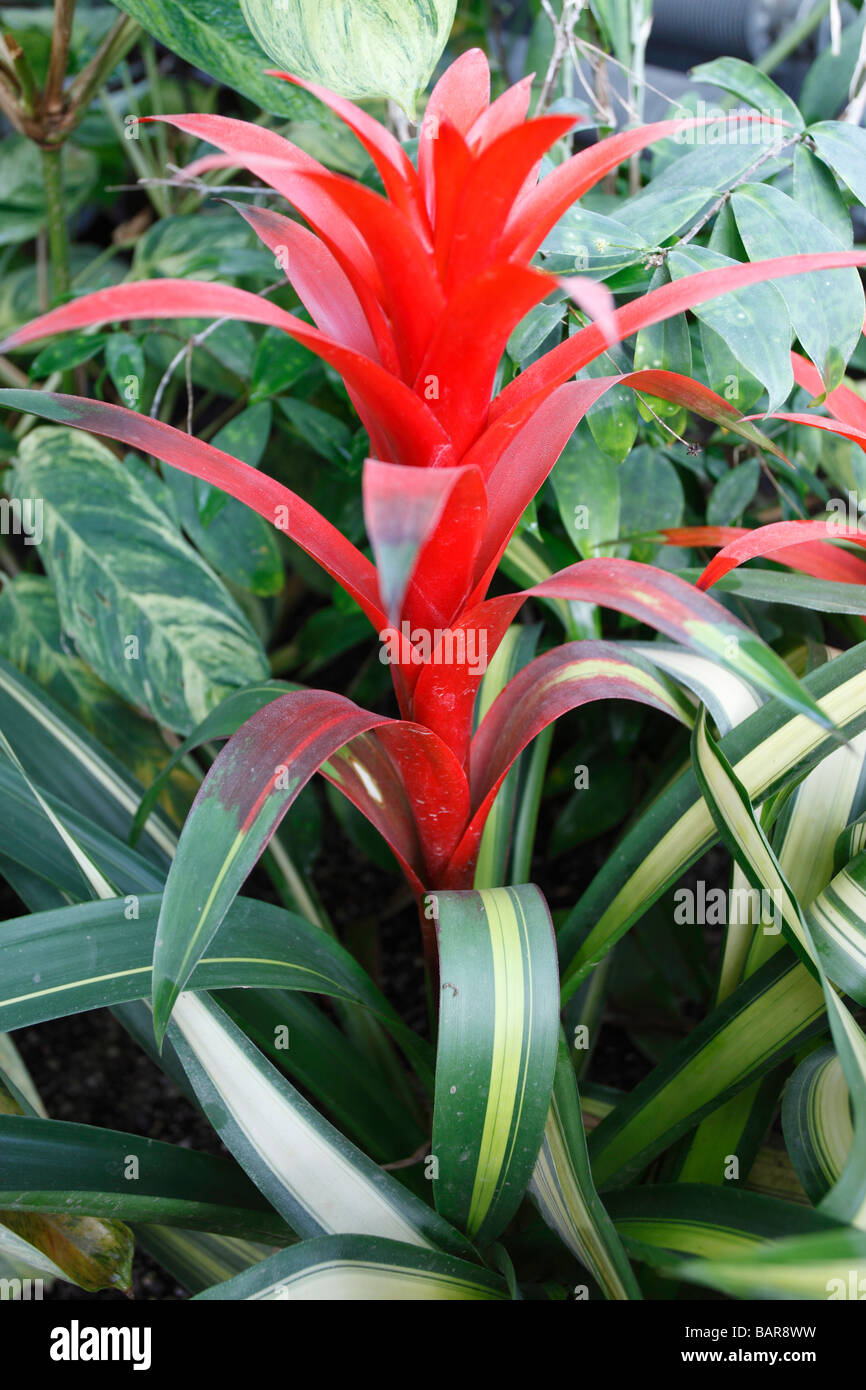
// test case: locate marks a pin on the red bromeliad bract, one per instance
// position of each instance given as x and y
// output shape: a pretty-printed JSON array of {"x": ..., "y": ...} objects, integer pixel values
[{"x": 414, "y": 295}]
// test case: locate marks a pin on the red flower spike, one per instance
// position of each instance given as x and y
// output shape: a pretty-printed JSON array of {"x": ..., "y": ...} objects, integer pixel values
[{"x": 460, "y": 97}]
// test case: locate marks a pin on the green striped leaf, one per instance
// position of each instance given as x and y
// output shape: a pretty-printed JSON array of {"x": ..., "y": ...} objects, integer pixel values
[
  {"x": 829, "y": 1265},
  {"x": 816, "y": 1120},
  {"x": 515, "y": 651},
  {"x": 837, "y": 923},
  {"x": 563, "y": 1190},
  {"x": 351, "y": 1268},
  {"x": 768, "y": 750},
  {"x": 498, "y": 1027},
  {"x": 200, "y": 1259},
  {"x": 51, "y": 1165},
  {"x": 318, "y": 1181},
  {"x": 736, "y": 821},
  {"x": 359, "y": 48},
  {"x": 761, "y": 1022},
  {"x": 143, "y": 609},
  {"x": 713, "y": 1222},
  {"x": 83, "y": 774},
  {"x": 46, "y": 973}
]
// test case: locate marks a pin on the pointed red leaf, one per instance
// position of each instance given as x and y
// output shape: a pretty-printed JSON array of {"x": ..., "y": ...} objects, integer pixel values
[
  {"x": 460, "y": 97},
  {"x": 495, "y": 179},
  {"x": 411, "y": 294},
  {"x": 542, "y": 206},
  {"x": 766, "y": 541},
  {"x": 566, "y": 359},
  {"x": 810, "y": 557},
  {"x": 457, "y": 374},
  {"x": 561, "y": 680},
  {"x": 276, "y": 503},
  {"x": 412, "y": 431},
  {"x": 425, "y": 526},
  {"x": 317, "y": 278},
  {"x": 843, "y": 403},
  {"x": 276, "y": 162},
  {"x": 507, "y": 111},
  {"x": 393, "y": 164},
  {"x": 452, "y": 164}
]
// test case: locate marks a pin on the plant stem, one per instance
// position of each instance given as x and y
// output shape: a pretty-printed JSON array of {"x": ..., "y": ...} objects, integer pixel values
[
  {"x": 64, "y": 13},
  {"x": 114, "y": 48},
  {"x": 58, "y": 245},
  {"x": 788, "y": 42}
]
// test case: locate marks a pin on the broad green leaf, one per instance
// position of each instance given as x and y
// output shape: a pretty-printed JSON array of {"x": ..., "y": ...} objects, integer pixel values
[
  {"x": 751, "y": 86},
  {"x": 826, "y": 310},
  {"x": 817, "y": 191},
  {"x": 594, "y": 243},
  {"x": 143, "y": 609},
  {"x": 124, "y": 358},
  {"x": 753, "y": 322},
  {"x": 563, "y": 1190},
  {"x": 732, "y": 493},
  {"x": 340, "y": 1268},
  {"x": 825, "y": 88},
  {"x": 212, "y": 35},
  {"x": 816, "y": 1119},
  {"x": 665, "y": 347},
  {"x": 651, "y": 497},
  {"x": 828, "y": 1265},
  {"x": 358, "y": 48},
  {"x": 843, "y": 147},
  {"x": 258, "y": 945},
  {"x": 50, "y": 1165},
  {"x": 309, "y": 1172},
  {"x": 71, "y": 352},
  {"x": 498, "y": 1027},
  {"x": 613, "y": 418},
  {"x": 22, "y": 191}
]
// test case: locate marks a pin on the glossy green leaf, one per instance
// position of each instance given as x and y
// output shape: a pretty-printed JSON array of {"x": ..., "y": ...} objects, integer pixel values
[
  {"x": 843, "y": 147},
  {"x": 817, "y": 191},
  {"x": 751, "y": 86},
  {"x": 753, "y": 322},
  {"x": 49, "y": 1165},
  {"x": 826, "y": 310},
  {"x": 732, "y": 493}
]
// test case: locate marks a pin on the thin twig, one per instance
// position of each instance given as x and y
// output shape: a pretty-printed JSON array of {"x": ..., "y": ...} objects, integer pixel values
[{"x": 562, "y": 30}]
